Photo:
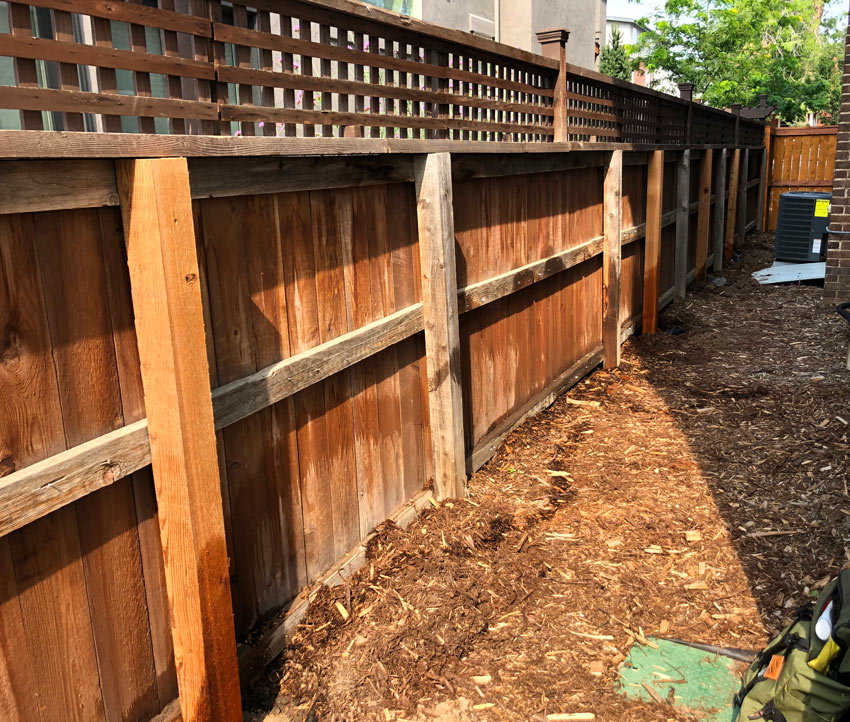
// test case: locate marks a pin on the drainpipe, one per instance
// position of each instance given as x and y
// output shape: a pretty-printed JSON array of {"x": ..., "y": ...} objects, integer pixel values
[{"x": 497, "y": 19}]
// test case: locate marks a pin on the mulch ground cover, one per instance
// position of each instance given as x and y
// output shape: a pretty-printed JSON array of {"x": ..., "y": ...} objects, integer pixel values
[{"x": 698, "y": 492}]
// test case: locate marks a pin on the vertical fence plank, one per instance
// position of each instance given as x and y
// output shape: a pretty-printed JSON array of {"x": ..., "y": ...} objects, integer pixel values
[
  {"x": 18, "y": 692},
  {"x": 85, "y": 357},
  {"x": 732, "y": 207},
  {"x": 433, "y": 175},
  {"x": 683, "y": 215},
  {"x": 652, "y": 247},
  {"x": 162, "y": 257},
  {"x": 41, "y": 562},
  {"x": 612, "y": 209},
  {"x": 704, "y": 212},
  {"x": 719, "y": 211}
]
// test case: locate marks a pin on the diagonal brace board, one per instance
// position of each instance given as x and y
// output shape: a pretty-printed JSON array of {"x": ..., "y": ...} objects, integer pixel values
[{"x": 164, "y": 278}]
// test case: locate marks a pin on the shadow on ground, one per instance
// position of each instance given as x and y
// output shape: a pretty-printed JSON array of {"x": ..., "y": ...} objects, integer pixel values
[
  {"x": 757, "y": 385},
  {"x": 698, "y": 492}
]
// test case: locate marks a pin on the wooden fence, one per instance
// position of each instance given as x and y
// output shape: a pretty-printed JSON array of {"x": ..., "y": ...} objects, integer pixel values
[
  {"x": 377, "y": 313},
  {"x": 800, "y": 159},
  {"x": 304, "y": 68},
  {"x": 373, "y": 325}
]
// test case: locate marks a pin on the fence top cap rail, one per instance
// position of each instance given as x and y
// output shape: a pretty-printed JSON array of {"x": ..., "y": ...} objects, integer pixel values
[
  {"x": 806, "y": 130},
  {"x": 37, "y": 144}
]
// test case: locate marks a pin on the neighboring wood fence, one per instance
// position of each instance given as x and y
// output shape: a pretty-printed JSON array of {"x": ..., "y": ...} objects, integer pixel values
[
  {"x": 801, "y": 159},
  {"x": 360, "y": 346},
  {"x": 304, "y": 68}
]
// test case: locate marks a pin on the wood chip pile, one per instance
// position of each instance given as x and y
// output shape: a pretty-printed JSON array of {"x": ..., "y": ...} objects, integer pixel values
[{"x": 699, "y": 492}]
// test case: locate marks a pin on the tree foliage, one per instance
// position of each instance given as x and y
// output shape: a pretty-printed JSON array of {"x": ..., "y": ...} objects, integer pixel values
[
  {"x": 614, "y": 59},
  {"x": 733, "y": 50}
]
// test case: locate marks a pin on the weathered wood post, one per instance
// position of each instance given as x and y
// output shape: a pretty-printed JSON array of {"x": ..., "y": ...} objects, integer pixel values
[
  {"x": 652, "y": 245},
  {"x": 732, "y": 206},
  {"x": 683, "y": 214},
  {"x": 433, "y": 173},
  {"x": 686, "y": 92},
  {"x": 743, "y": 193},
  {"x": 736, "y": 109},
  {"x": 553, "y": 42},
  {"x": 612, "y": 259},
  {"x": 704, "y": 213},
  {"x": 157, "y": 210},
  {"x": 719, "y": 212}
]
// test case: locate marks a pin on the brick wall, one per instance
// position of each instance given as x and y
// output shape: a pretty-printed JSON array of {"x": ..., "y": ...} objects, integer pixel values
[{"x": 837, "y": 284}]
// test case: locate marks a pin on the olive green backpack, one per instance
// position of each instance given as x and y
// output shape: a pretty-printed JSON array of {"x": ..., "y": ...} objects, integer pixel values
[{"x": 800, "y": 677}]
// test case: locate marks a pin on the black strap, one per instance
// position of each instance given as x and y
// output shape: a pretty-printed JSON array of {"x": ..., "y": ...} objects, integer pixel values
[{"x": 769, "y": 713}]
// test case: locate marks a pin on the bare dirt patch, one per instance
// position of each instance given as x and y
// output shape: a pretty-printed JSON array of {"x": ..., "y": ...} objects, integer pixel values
[{"x": 696, "y": 492}]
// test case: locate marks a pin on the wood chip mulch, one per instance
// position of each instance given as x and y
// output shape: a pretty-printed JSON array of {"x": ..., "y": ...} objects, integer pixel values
[{"x": 699, "y": 492}]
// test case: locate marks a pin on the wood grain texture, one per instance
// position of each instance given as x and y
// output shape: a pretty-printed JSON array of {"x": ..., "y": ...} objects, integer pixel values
[
  {"x": 163, "y": 264},
  {"x": 37, "y": 489},
  {"x": 442, "y": 339},
  {"x": 719, "y": 212},
  {"x": 48, "y": 185},
  {"x": 732, "y": 206},
  {"x": 18, "y": 696},
  {"x": 215, "y": 177},
  {"x": 652, "y": 244},
  {"x": 133, "y": 410},
  {"x": 75, "y": 102},
  {"x": 52, "y": 483},
  {"x": 17, "y": 144},
  {"x": 764, "y": 180},
  {"x": 41, "y": 563},
  {"x": 703, "y": 213},
  {"x": 683, "y": 216},
  {"x": 243, "y": 272},
  {"x": 82, "y": 312},
  {"x": 743, "y": 194},
  {"x": 331, "y": 219},
  {"x": 612, "y": 260},
  {"x": 481, "y": 293},
  {"x": 302, "y": 309}
]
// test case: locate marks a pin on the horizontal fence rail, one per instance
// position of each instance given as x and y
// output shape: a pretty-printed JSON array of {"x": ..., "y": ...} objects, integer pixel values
[{"x": 304, "y": 68}]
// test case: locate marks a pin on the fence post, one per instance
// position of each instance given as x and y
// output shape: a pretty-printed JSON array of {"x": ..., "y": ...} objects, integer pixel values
[
  {"x": 719, "y": 212},
  {"x": 736, "y": 109},
  {"x": 686, "y": 92},
  {"x": 704, "y": 212},
  {"x": 743, "y": 193},
  {"x": 553, "y": 43},
  {"x": 158, "y": 227},
  {"x": 683, "y": 214},
  {"x": 732, "y": 207},
  {"x": 433, "y": 174},
  {"x": 612, "y": 259},
  {"x": 652, "y": 243},
  {"x": 763, "y": 181}
]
